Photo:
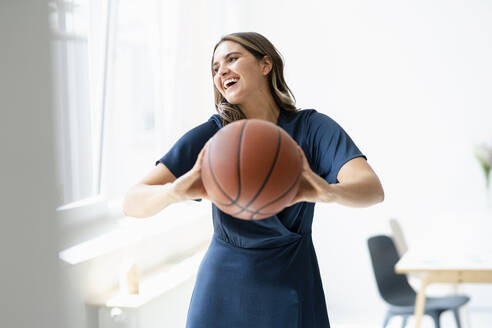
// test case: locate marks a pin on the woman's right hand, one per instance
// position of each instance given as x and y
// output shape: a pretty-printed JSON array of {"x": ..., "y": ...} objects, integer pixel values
[{"x": 190, "y": 185}]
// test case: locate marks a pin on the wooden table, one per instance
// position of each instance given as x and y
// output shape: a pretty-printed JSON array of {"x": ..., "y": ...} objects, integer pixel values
[{"x": 444, "y": 267}]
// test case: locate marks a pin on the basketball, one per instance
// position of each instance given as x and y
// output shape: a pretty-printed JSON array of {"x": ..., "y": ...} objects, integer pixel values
[{"x": 251, "y": 169}]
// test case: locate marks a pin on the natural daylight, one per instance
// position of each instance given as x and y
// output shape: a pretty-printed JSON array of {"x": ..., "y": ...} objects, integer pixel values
[{"x": 239, "y": 164}]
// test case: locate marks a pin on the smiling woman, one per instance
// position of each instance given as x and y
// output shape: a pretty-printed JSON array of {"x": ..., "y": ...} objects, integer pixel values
[
  {"x": 257, "y": 66},
  {"x": 260, "y": 273}
]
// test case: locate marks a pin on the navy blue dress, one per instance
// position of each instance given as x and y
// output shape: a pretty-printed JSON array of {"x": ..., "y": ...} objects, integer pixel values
[{"x": 265, "y": 273}]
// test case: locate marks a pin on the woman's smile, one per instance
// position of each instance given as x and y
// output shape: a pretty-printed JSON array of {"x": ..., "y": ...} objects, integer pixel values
[
  {"x": 232, "y": 86},
  {"x": 232, "y": 64},
  {"x": 241, "y": 81}
]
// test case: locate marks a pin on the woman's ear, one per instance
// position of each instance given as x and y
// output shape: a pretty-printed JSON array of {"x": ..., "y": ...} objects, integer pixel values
[{"x": 267, "y": 65}]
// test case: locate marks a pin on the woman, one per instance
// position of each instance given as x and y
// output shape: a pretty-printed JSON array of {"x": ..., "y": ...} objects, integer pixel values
[{"x": 260, "y": 273}]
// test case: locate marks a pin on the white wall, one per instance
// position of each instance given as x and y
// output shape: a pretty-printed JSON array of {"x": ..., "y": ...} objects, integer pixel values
[
  {"x": 410, "y": 82},
  {"x": 29, "y": 275}
]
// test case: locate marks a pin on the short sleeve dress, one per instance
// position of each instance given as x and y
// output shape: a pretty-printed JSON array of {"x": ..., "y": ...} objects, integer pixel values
[{"x": 265, "y": 273}]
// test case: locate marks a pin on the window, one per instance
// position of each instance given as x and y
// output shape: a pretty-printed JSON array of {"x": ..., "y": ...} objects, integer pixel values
[
  {"x": 107, "y": 81},
  {"x": 76, "y": 135},
  {"x": 130, "y": 79},
  {"x": 134, "y": 96}
]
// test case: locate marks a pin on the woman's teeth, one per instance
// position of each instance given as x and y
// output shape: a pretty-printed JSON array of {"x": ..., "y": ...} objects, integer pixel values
[{"x": 230, "y": 82}]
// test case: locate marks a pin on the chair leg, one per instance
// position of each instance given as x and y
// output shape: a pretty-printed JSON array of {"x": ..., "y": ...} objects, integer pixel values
[
  {"x": 457, "y": 318},
  {"x": 387, "y": 319},
  {"x": 435, "y": 316},
  {"x": 404, "y": 322}
]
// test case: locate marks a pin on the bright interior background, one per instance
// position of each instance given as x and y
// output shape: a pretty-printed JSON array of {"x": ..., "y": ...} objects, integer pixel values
[{"x": 409, "y": 81}]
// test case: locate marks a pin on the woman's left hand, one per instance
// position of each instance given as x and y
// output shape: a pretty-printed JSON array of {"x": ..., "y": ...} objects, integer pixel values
[{"x": 312, "y": 187}]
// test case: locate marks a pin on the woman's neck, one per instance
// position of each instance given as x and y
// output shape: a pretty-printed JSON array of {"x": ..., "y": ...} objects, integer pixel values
[{"x": 264, "y": 109}]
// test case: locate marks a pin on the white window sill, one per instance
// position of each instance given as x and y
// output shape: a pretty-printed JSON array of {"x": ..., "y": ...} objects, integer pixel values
[
  {"x": 155, "y": 283},
  {"x": 110, "y": 231}
]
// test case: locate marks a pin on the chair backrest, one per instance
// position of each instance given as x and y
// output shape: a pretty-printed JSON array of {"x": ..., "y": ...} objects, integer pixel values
[
  {"x": 398, "y": 237},
  {"x": 393, "y": 288}
]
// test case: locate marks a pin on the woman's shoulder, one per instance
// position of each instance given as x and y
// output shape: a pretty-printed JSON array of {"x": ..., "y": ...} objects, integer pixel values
[
  {"x": 204, "y": 130},
  {"x": 215, "y": 120},
  {"x": 312, "y": 117}
]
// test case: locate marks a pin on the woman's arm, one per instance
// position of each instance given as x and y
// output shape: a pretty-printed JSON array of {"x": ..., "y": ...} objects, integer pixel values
[
  {"x": 160, "y": 188},
  {"x": 151, "y": 195},
  {"x": 358, "y": 185}
]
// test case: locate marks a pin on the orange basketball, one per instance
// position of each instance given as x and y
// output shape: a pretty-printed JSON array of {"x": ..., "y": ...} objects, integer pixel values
[{"x": 251, "y": 169}]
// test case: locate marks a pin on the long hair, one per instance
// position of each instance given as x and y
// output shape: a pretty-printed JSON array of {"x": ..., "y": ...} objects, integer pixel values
[{"x": 258, "y": 46}]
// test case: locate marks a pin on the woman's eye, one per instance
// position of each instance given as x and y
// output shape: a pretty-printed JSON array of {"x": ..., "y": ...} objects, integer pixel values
[{"x": 215, "y": 70}]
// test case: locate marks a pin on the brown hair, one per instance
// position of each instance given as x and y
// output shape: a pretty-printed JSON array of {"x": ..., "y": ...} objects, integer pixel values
[{"x": 258, "y": 46}]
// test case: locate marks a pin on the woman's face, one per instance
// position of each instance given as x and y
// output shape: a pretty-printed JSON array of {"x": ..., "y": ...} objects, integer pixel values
[{"x": 232, "y": 61}]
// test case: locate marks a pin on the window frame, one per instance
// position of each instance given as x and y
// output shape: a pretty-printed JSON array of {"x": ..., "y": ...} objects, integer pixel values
[{"x": 91, "y": 217}]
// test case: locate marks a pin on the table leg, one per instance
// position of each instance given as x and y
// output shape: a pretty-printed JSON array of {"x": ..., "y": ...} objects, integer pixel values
[{"x": 420, "y": 302}]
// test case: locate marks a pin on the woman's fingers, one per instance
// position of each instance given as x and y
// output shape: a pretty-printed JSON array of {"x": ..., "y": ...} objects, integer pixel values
[
  {"x": 307, "y": 173},
  {"x": 308, "y": 186},
  {"x": 190, "y": 185},
  {"x": 197, "y": 187},
  {"x": 298, "y": 196},
  {"x": 305, "y": 163},
  {"x": 199, "y": 159}
]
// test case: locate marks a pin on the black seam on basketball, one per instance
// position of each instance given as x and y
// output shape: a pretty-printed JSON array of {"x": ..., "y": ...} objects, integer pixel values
[
  {"x": 214, "y": 177},
  {"x": 279, "y": 197},
  {"x": 233, "y": 201},
  {"x": 277, "y": 152},
  {"x": 239, "y": 159},
  {"x": 245, "y": 209}
]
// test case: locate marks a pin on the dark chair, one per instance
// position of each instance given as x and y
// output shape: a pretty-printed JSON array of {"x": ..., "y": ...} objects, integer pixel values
[{"x": 397, "y": 292}]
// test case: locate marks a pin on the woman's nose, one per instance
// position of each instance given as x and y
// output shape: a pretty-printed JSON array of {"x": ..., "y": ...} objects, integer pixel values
[{"x": 222, "y": 70}]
